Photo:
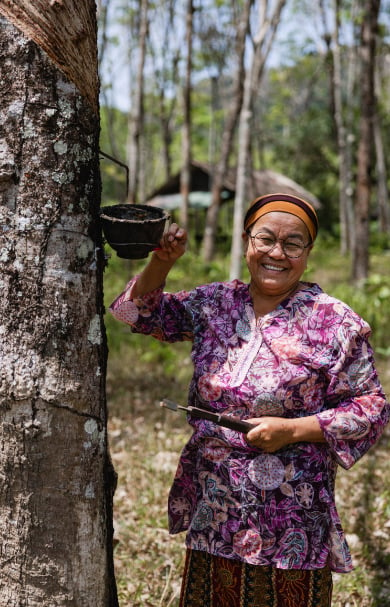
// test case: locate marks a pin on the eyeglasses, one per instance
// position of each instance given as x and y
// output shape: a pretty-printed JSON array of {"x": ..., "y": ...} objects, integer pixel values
[{"x": 264, "y": 244}]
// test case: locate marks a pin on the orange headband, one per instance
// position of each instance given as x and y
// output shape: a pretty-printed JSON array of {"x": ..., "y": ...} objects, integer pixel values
[{"x": 283, "y": 203}]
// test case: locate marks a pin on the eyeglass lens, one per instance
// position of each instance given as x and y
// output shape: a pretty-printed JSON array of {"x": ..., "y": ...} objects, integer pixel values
[{"x": 265, "y": 244}]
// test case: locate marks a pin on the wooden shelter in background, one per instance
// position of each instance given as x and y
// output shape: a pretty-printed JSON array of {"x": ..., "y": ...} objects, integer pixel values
[{"x": 261, "y": 182}]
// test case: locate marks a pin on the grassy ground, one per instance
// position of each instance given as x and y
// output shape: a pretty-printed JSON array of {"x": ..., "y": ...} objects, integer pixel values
[{"x": 145, "y": 443}]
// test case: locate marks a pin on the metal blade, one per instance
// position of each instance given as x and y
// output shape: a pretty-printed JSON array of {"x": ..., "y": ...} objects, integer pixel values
[{"x": 170, "y": 404}]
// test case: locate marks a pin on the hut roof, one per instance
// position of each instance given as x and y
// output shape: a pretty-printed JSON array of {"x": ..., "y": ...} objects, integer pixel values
[{"x": 259, "y": 182}]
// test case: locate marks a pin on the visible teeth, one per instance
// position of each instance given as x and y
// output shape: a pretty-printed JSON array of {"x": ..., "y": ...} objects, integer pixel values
[{"x": 269, "y": 267}]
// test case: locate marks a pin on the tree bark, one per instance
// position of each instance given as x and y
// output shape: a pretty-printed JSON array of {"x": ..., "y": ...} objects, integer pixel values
[
  {"x": 56, "y": 479},
  {"x": 66, "y": 31},
  {"x": 360, "y": 262}
]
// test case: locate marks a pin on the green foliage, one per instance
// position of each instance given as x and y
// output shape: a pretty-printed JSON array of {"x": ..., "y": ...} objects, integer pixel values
[
  {"x": 379, "y": 241},
  {"x": 298, "y": 129},
  {"x": 113, "y": 175},
  {"x": 371, "y": 299}
]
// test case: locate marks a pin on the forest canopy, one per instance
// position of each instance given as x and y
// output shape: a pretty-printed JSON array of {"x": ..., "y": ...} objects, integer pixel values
[{"x": 179, "y": 80}]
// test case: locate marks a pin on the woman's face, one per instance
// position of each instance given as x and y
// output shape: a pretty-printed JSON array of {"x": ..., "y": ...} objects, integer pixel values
[{"x": 273, "y": 274}]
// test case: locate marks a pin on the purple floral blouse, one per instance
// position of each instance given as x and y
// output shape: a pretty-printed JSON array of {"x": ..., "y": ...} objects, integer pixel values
[{"x": 309, "y": 356}]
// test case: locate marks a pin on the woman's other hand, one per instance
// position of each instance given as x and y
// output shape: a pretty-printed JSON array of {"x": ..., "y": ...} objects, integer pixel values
[
  {"x": 273, "y": 433},
  {"x": 270, "y": 433}
]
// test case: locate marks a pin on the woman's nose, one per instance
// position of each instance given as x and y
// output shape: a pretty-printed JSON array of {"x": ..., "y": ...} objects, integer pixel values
[{"x": 277, "y": 250}]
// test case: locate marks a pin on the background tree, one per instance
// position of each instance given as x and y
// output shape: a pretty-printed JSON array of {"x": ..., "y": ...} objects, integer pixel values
[
  {"x": 56, "y": 480},
  {"x": 104, "y": 42},
  {"x": 369, "y": 30},
  {"x": 231, "y": 114},
  {"x": 267, "y": 21},
  {"x": 347, "y": 231},
  {"x": 165, "y": 52},
  {"x": 136, "y": 114},
  {"x": 185, "y": 174},
  {"x": 383, "y": 205}
]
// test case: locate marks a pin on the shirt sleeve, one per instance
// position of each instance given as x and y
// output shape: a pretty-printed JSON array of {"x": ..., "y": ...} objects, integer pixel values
[
  {"x": 165, "y": 316},
  {"x": 357, "y": 411}
]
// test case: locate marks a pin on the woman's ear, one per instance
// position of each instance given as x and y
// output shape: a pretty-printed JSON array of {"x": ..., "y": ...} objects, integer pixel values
[
  {"x": 245, "y": 239},
  {"x": 307, "y": 254}
]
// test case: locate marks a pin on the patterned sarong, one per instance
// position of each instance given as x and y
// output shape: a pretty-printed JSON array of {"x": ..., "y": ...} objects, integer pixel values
[{"x": 211, "y": 581}]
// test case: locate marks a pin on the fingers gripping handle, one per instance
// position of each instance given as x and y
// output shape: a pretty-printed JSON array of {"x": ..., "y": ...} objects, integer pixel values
[{"x": 233, "y": 423}]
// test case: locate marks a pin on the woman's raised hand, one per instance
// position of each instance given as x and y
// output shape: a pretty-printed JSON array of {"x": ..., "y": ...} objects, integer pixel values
[{"x": 172, "y": 244}]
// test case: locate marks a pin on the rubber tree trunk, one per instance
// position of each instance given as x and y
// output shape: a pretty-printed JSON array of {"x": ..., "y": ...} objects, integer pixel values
[
  {"x": 229, "y": 128},
  {"x": 56, "y": 480},
  {"x": 136, "y": 115},
  {"x": 262, "y": 43},
  {"x": 347, "y": 237},
  {"x": 369, "y": 29},
  {"x": 185, "y": 174}
]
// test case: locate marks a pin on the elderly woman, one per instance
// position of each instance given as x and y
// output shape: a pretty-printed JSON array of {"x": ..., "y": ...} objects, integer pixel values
[{"x": 259, "y": 508}]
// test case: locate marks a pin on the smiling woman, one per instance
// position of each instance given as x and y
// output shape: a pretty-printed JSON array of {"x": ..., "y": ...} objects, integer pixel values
[
  {"x": 274, "y": 275},
  {"x": 260, "y": 515},
  {"x": 281, "y": 230}
]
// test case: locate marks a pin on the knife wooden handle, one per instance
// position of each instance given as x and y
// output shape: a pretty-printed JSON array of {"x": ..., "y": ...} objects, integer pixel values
[{"x": 233, "y": 423}]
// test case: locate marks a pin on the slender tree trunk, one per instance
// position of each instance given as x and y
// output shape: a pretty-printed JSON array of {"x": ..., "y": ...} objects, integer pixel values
[
  {"x": 266, "y": 29},
  {"x": 136, "y": 116},
  {"x": 166, "y": 77},
  {"x": 345, "y": 186},
  {"x": 107, "y": 108},
  {"x": 353, "y": 70},
  {"x": 167, "y": 107},
  {"x": 56, "y": 480},
  {"x": 227, "y": 138},
  {"x": 185, "y": 176},
  {"x": 360, "y": 265},
  {"x": 381, "y": 168}
]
